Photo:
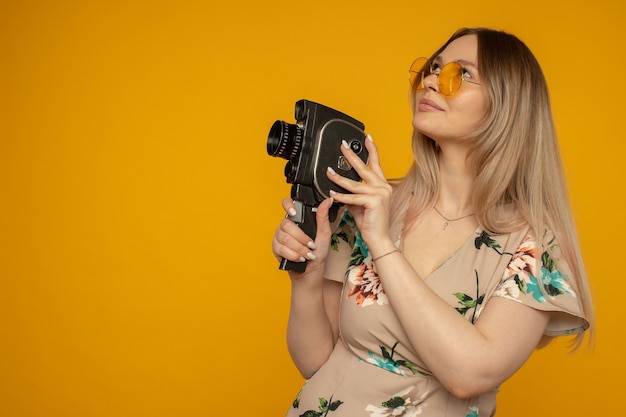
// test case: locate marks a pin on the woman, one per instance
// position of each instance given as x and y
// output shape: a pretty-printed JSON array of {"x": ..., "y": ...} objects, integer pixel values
[{"x": 436, "y": 289}]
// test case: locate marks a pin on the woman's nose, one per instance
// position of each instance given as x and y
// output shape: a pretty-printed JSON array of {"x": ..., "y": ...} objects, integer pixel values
[{"x": 431, "y": 82}]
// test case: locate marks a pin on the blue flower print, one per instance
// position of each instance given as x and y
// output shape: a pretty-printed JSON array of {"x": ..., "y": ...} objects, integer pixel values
[
  {"x": 387, "y": 364},
  {"x": 473, "y": 412}
]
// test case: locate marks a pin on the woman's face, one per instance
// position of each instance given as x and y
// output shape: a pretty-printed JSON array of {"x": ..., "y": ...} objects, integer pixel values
[{"x": 456, "y": 117}]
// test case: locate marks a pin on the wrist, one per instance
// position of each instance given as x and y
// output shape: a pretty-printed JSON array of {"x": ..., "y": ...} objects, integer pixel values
[
  {"x": 381, "y": 248},
  {"x": 391, "y": 252},
  {"x": 313, "y": 275}
]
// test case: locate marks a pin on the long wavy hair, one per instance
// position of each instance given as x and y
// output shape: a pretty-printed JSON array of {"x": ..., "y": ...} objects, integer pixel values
[{"x": 519, "y": 177}]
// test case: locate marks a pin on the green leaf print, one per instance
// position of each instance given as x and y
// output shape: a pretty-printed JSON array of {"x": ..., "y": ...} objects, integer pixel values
[
  {"x": 468, "y": 302},
  {"x": 296, "y": 402},
  {"x": 325, "y": 407},
  {"x": 359, "y": 251},
  {"x": 394, "y": 402},
  {"x": 400, "y": 404},
  {"x": 548, "y": 262},
  {"x": 334, "y": 405},
  {"x": 334, "y": 239},
  {"x": 386, "y": 353},
  {"x": 485, "y": 239},
  {"x": 311, "y": 413},
  {"x": 347, "y": 231},
  {"x": 344, "y": 231}
]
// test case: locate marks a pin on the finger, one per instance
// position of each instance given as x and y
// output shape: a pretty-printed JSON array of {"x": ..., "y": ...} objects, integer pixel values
[
  {"x": 323, "y": 221},
  {"x": 290, "y": 226},
  {"x": 371, "y": 200},
  {"x": 289, "y": 206},
  {"x": 368, "y": 175},
  {"x": 293, "y": 233},
  {"x": 374, "y": 158},
  {"x": 370, "y": 186},
  {"x": 280, "y": 250},
  {"x": 291, "y": 243},
  {"x": 341, "y": 181}
]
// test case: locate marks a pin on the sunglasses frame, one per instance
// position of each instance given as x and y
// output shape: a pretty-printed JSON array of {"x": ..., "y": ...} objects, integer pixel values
[{"x": 422, "y": 74}]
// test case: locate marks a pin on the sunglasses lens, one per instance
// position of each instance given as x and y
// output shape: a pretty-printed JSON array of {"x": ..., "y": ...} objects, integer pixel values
[
  {"x": 450, "y": 78},
  {"x": 416, "y": 73}
]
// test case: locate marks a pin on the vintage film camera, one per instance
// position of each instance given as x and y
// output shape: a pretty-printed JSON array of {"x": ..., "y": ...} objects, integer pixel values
[{"x": 310, "y": 146}]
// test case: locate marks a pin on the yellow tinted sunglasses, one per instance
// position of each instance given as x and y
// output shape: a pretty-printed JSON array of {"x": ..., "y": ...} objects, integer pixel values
[{"x": 449, "y": 77}]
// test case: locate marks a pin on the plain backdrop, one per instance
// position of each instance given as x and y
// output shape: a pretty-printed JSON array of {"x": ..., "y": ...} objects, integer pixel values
[{"x": 137, "y": 201}]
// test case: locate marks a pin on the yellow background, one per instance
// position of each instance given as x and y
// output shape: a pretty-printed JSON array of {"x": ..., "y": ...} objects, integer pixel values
[{"x": 137, "y": 202}]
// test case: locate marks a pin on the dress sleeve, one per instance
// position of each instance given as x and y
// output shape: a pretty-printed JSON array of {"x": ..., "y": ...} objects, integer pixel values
[
  {"x": 342, "y": 244},
  {"x": 539, "y": 278}
]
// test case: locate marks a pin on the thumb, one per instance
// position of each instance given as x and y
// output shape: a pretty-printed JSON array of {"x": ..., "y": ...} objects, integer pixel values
[{"x": 322, "y": 219}]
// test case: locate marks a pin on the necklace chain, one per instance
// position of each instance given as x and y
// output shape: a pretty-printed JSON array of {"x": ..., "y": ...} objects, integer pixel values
[{"x": 450, "y": 220}]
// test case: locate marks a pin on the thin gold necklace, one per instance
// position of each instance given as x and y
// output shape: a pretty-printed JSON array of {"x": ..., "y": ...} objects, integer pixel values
[{"x": 450, "y": 220}]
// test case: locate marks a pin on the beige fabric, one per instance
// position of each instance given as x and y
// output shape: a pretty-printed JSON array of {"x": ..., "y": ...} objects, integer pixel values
[{"x": 374, "y": 371}]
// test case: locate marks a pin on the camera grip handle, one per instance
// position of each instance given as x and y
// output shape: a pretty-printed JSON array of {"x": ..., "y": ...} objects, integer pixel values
[{"x": 305, "y": 219}]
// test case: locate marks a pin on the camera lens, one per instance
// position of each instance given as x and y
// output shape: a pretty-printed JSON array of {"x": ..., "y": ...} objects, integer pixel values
[
  {"x": 284, "y": 140},
  {"x": 356, "y": 146}
]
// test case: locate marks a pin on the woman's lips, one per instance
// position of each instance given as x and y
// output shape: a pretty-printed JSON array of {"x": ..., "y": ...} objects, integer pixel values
[{"x": 428, "y": 105}]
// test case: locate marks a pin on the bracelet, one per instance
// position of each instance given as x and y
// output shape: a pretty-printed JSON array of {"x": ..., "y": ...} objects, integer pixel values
[{"x": 385, "y": 254}]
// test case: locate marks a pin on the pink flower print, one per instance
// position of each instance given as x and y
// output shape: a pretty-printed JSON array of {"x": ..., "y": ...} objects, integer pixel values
[
  {"x": 523, "y": 263},
  {"x": 367, "y": 286}
]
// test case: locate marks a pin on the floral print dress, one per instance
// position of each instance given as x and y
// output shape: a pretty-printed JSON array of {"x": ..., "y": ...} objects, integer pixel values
[{"x": 374, "y": 371}]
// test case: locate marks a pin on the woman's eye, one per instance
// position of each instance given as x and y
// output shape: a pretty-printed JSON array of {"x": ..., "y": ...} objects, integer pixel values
[
  {"x": 466, "y": 73},
  {"x": 435, "y": 68}
]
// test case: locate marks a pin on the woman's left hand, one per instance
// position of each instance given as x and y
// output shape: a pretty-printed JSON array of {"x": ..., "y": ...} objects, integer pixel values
[{"x": 370, "y": 199}]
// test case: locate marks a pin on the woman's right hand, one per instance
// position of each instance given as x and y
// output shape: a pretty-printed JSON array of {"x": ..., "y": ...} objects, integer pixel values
[{"x": 291, "y": 243}]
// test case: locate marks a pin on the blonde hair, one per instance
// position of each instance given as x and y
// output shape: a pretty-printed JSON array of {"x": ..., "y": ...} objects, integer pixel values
[{"x": 514, "y": 155}]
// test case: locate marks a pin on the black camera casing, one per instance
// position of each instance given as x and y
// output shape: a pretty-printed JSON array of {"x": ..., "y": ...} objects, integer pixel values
[{"x": 311, "y": 146}]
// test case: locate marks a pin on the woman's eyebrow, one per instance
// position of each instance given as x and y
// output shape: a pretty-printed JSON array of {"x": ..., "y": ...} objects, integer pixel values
[
  {"x": 467, "y": 63},
  {"x": 463, "y": 62}
]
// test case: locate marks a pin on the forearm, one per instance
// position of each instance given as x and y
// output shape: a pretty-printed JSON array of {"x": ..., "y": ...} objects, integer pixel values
[
  {"x": 311, "y": 334},
  {"x": 468, "y": 359},
  {"x": 450, "y": 346}
]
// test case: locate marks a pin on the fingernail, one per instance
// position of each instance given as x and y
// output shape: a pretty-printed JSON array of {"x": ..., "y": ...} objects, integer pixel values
[
  {"x": 311, "y": 245},
  {"x": 333, "y": 192},
  {"x": 302, "y": 259},
  {"x": 292, "y": 212},
  {"x": 331, "y": 171},
  {"x": 345, "y": 144},
  {"x": 311, "y": 256},
  {"x": 369, "y": 137}
]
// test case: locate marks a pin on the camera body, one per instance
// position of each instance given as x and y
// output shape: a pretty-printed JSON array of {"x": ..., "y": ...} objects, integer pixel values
[{"x": 310, "y": 146}]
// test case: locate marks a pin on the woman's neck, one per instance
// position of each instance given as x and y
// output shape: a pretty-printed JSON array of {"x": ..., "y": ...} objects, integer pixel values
[{"x": 456, "y": 182}]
